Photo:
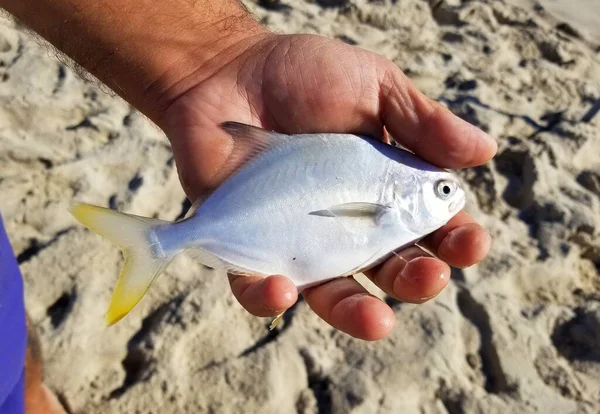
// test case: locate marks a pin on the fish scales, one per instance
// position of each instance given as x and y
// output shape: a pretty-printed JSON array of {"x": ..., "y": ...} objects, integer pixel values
[{"x": 270, "y": 227}]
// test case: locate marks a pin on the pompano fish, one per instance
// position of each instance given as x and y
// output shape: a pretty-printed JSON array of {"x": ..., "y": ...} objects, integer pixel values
[{"x": 311, "y": 207}]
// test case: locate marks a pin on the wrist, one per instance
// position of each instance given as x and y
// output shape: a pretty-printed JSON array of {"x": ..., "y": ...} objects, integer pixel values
[
  {"x": 141, "y": 49},
  {"x": 198, "y": 64},
  {"x": 215, "y": 48}
]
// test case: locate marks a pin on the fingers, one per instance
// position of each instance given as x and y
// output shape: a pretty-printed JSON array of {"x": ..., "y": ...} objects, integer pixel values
[
  {"x": 411, "y": 276},
  {"x": 415, "y": 276},
  {"x": 264, "y": 296},
  {"x": 460, "y": 243},
  {"x": 343, "y": 303},
  {"x": 347, "y": 306},
  {"x": 428, "y": 128}
]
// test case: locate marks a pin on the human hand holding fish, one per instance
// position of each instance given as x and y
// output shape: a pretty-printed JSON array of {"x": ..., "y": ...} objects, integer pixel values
[
  {"x": 260, "y": 193},
  {"x": 299, "y": 208}
]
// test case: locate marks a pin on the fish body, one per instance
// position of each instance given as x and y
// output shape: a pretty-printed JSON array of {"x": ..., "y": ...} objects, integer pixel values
[{"x": 311, "y": 207}]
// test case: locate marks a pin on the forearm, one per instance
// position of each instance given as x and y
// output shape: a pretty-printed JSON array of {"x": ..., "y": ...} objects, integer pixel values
[{"x": 140, "y": 48}]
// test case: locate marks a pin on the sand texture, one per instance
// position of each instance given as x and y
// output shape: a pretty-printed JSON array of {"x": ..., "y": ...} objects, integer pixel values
[{"x": 519, "y": 333}]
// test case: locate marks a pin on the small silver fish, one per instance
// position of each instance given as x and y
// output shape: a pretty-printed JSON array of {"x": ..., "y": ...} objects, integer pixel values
[{"x": 311, "y": 207}]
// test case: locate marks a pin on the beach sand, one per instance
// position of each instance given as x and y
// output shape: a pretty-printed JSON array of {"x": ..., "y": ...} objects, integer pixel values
[
  {"x": 519, "y": 333},
  {"x": 582, "y": 15}
]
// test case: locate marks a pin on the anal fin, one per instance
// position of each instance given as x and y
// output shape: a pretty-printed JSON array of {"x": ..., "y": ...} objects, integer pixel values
[{"x": 276, "y": 321}]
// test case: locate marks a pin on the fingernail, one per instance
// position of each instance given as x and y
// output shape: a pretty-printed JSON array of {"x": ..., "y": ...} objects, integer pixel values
[
  {"x": 489, "y": 139},
  {"x": 451, "y": 242},
  {"x": 290, "y": 296},
  {"x": 484, "y": 136},
  {"x": 453, "y": 236},
  {"x": 488, "y": 238},
  {"x": 411, "y": 276}
]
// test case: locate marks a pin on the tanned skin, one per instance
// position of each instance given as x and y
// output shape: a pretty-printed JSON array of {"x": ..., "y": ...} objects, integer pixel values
[{"x": 38, "y": 398}]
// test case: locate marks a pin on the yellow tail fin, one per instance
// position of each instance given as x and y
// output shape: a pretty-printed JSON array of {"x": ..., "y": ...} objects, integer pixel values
[{"x": 142, "y": 262}]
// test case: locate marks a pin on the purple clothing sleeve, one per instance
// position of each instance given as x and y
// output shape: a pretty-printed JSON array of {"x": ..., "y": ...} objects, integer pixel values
[{"x": 13, "y": 331}]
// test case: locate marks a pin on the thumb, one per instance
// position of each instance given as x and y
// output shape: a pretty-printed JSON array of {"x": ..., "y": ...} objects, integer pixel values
[{"x": 428, "y": 128}]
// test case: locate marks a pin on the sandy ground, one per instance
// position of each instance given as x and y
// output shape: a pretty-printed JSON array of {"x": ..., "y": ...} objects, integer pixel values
[
  {"x": 518, "y": 333},
  {"x": 582, "y": 15}
]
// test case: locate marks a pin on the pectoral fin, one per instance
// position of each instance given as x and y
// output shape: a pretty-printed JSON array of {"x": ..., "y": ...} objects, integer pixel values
[{"x": 357, "y": 210}]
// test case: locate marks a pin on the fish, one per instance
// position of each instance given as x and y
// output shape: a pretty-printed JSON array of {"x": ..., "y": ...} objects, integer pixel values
[{"x": 312, "y": 207}]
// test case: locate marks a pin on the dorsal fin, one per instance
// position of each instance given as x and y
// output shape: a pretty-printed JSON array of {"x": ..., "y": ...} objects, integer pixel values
[
  {"x": 249, "y": 141},
  {"x": 247, "y": 132}
]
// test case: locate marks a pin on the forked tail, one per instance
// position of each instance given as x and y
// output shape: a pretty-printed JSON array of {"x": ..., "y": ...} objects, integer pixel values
[{"x": 142, "y": 261}]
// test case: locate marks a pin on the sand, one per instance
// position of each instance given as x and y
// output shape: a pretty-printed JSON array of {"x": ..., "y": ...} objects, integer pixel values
[
  {"x": 582, "y": 15},
  {"x": 518, "y": 333}
]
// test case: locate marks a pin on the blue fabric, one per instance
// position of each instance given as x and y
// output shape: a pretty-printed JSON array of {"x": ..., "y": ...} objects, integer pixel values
[
  {"x": 13, "y": 331},
  {"x": 14, "y": 402}
]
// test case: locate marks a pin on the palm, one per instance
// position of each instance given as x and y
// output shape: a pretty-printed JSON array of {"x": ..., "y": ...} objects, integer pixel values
[
  {"x": 311, "y": 84},
  {"x": 284, "y": 91},
  {"x": 297, "y": 84}
]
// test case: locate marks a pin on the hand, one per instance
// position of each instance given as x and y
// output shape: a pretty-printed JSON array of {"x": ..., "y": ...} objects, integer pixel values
[{"x": 305, "y": 83}]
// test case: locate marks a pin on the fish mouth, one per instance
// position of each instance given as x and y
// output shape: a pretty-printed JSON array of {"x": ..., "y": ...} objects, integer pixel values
[{"x": 455, "y": 206}]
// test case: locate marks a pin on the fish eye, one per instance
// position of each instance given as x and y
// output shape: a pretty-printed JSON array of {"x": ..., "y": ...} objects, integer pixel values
[{"x": 445, "y": 189}]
